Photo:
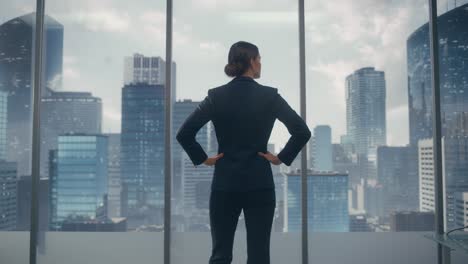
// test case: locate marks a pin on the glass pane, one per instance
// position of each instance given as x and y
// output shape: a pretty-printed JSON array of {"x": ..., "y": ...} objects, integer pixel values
[
  {"x": 17, "y": 26},
  {"x": 369, "y": 104},
  {"x": 102, "y": 132},
  {"x": 453, "y": 72},
  {"x": 204, "y": 32}
]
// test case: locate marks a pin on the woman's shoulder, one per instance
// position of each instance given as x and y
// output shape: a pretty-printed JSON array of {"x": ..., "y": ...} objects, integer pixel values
[{"x": 265, "y": 89}]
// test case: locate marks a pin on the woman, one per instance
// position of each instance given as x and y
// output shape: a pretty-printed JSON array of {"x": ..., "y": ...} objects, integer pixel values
[{"x": 243, "y": 113}]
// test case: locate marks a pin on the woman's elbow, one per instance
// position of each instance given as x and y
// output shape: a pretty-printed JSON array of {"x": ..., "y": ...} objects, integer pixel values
[
  {"x": 307, "y": 135},
  {"x": 180, "y": 137}
]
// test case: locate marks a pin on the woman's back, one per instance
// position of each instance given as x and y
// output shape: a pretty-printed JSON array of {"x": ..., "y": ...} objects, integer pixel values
[{"x": 243, "y": 113}]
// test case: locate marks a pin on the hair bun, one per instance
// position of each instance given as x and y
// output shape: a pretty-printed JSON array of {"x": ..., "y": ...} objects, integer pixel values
[
  {"x": 232, "y": 70},
  {"x": 240, "y": 55}
]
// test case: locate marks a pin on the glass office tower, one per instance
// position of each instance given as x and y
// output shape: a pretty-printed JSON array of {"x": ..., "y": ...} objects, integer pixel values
[
  {"x": 8, "y": 195},
  {"x": 453, "y": 53},
  {"x": 67, "y": 112},
  {"x": 78, "y": 179},
  {"x": 327, "y": 202},
  {"x": 142, "y": 153},
  {"x": 365, "y": 109},
  {"x": 16, "y": 58},
  {"x": 3, "y": 123},
  {"x": 323, "y": 154}
]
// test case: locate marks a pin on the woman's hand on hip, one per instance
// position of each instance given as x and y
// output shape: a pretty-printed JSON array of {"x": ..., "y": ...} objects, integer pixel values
[
  {"x": 212, "y": 161},
  {"x": 270, "y": 157}
]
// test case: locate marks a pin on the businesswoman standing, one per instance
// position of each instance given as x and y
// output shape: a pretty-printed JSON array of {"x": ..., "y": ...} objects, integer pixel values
[{"x": 243, "y": 113}]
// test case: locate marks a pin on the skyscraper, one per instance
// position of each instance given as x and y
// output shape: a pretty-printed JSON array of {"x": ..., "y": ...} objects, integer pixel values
[
  {"x": 142, "y": 152},
  {"x": 453, "y": 72},
  {"x": 16, "y": 55},
  {"x": 151, "y": 70},
  {"x": 8, "y": 194},
  {"x": 3, "y": 123},
  {"x": 411, "y": 221},
  {"x": 323, "y": 156},
  {"x": 454, "y": 173},
  {"x": 365, "y": 109},
  {"x": 23, "y": 203},
  {"x": 196, "y": 185},
  {"x": 67, "y": 112},
  {"x": 461, "y": 209},
  {"x": 365, "y": 117},
  {"x": 182, "y": 109},
  {"x": 327, "y": 201},
  {"x": 397, "y": 172},
  {"x": 311, "y": 152},
  {"x": 114, "y": 181},
  {"x": 426, "y": 175},
  {"x": 78, "y": 179}
]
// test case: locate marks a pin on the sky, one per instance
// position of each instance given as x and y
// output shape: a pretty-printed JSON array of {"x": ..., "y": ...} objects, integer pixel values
[{"x": 341, "y": 37}]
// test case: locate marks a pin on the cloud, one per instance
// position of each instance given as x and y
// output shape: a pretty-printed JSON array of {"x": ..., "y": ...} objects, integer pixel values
[
  {"x": 55, "y": 82},
  {"x": 71, "y": 73},
  {"x": 336, "y": 72},
  {"x": 211, "y": 46},
  {"x": 154, "y": 24},
  {"x": 112, "y": 118},
  {"x": 107, "y": 20},
  {"x": 112, "y": 114},
  {"x": 69, "y": 59},
  {"x": 214, "y": 5},
  {"x": 263, "y": 17},
  {"x": 397, "y": 123}
]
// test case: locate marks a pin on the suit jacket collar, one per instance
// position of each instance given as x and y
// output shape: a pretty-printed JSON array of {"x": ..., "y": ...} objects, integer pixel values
[{"x": 242, "y": 78}]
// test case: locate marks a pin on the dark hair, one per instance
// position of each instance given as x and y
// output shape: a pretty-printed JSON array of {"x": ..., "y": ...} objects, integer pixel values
[{"x": 239, "y": 58}]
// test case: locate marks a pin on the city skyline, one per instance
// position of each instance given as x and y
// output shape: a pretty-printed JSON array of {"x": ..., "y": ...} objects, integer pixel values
[
  {"x": 369, "y": 175},
  {"x": 142, "y": 74},
  {"x": 326, "y": 71}
]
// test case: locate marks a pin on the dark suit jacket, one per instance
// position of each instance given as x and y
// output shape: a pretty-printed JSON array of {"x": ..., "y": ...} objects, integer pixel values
[{"x": 243, "y": 113}]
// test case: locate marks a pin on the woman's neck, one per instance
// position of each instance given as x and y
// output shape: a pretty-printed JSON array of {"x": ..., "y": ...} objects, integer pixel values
[{"x": 248, "y": 74}]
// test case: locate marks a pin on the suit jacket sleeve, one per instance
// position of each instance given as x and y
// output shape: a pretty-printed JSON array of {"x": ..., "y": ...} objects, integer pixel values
[
  {"x": 300, "y": 132},
  {"x": 194, "y": 122}
]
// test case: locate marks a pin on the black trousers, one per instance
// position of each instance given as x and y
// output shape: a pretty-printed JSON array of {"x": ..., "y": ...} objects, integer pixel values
[{"x": 225, "y": 208}]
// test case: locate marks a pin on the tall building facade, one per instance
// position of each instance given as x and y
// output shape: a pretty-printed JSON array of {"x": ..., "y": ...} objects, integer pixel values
[
  {"x": 461, "y": 209},
  {"x": 151, "y": 70},
  {"x": 454, "y": 173},
  {"x": 114, "y": 180},
  {"x": 327, "y": 200},
  {"x": 453, "y": 72},
  {"x": 142, "y": 152},
  {"x": 23, "y": 204},
  {"x": 311, "y": 152},
  {"x": 16, "y": 56},
  {"x": 182, "y": 109},
  {"x": 67, "y": 112},
  {"x": 397, "y": 172},
  {"x": 365, "y": 109},
  {"x": 323, "y": 151},
  {"x": 426, "y": 175},
  {"x": 411, "y": 221},
  {"x": 78, "y": 179},
  {"x": 196, "y": 185},
  {"x": 3, "y": 123},
  {"x": 8, "y": 195}
]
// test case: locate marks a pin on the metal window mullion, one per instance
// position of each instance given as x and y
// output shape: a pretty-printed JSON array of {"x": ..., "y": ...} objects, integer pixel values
[
  {"x": 443, "y": 253},
  {"x": 302, "y": 76},
  {"x": 168, "y": 136},
  {"x": 35, "y": 163}
]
